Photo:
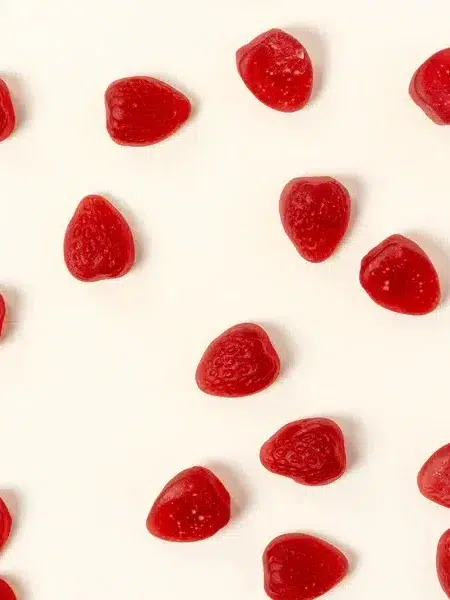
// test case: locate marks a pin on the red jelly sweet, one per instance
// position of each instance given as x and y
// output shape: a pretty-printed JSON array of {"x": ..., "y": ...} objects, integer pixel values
[
  {"x": 5, "y": 524},
  {"x": 193, "y": 506},
  {"x": 240, "y": 362},
  {"x": 301, "y": 567},
  {"x": 98, "y": 243},
  {"x": 309, "y": 451},
  {"x": 277, "y": 69},
  {"x": 430, "y": 87},
  {"x": 143, "y": 110},
  {"x": 6, "y": 592},
  {"x": 315, "y": 213},
  {"x": 2, "y": 313},
  {"x": 443, "y": 562},
  {"x": 7, "y": 113},
  {"x": 434, "y": 477},
  {"x": 398, "y": 275}
]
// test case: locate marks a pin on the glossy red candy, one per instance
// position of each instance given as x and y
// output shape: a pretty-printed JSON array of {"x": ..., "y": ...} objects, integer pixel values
[
  {"x": 398, "y": 275},
  {"x": 5, "y": 524},
  {"x": 430, "y": 87},
  {"x": 7, "y": 113},
  {"x": 2, "y": 313},
  {"x": 309, "y": 451},
  {"x": 315, "y": 213},
  {"x": 6, "y": 593},
  {"x": 193, "y": 506},
  {"x": 142, "y": 110},
  {"x": 277, "y": 69},
  {"x": 301, "y": 567},
  {"x": 434, "y": 477},
  {"x": 98, "y": 243},
  {"x": 443, "y": 562},
  {"x": 240, "y": 362}
]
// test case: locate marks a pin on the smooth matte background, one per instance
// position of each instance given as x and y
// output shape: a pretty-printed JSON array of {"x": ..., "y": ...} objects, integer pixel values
[{"x": 99, "y": 407}]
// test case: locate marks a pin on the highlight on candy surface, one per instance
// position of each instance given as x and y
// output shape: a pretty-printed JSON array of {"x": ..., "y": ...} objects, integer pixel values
[
  {"x": 141, "y": 111},
  {"x": 399, "y": 276},
  {"x": 315, "y": 213},
  {"x": 5, "y": 524},
  {"x": 430, "y": 87},
  {"x": 2, "y": 313},
  {"x": 309, "y": 451},
  {"x": 277, "y": 69},
  {"x": 7, "y": 112},
  {"x": 434, "y": 477},
  {"x": 193, "y": 506},
  {"x": 240, "y": 362},
  {"x": 443, "y": 562},
  {"x": 6, "y": 592},
  {"x": 298, "y": 566},
  {"x": 98, "y": 243}
]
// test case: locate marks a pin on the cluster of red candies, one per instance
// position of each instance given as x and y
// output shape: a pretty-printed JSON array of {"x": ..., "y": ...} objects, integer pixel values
[{"x": 315, "y": 213}]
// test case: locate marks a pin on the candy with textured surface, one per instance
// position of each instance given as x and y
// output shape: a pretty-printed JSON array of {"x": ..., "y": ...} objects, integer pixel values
[
  {"x": 443, "y": 562},
  {"x": 5, "y": 524},
  {"x": 7, "y": 113},
  {"x": 301, "y": 567},
  {"x": 315, "y": 213},
  {"x": 277, "y": 69},
  {"x": 142, "y": 110},
  {"x": 398, "y": 275},
  {"x": 193, "y": 506},
  {"x": 434, "y": 477},
  {"x": 309, "y": 451},
  {"x": 430, "y": 87},
  {"x": 6, "y": 593},
  {"x": 240, "y": 362},
  {"x": 98, "y": 243},
  {"x": 2, "y": 313}
]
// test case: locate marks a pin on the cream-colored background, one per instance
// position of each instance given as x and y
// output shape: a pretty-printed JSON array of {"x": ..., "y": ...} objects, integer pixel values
[{"x": 98, "y": 403}]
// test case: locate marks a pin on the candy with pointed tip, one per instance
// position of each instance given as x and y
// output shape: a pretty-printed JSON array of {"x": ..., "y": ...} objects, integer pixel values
[
  {"x": 240, "y": 362},
  {"x": 141, "y": 111},
  {"x": 7, "y": 112},
  {"x": 430, "y": 87},
  {"x": 277, "y": 69},
  {"x": 193, "y": 506},
  {"x": 434, "y": 477},
  {"x": 298, "y": 566},
  {"x": 98, "y": 243},
  {"x": 399, "y": 276},
  {"x": 309, "y": 451},
  {"x": 315, "y": 213}
]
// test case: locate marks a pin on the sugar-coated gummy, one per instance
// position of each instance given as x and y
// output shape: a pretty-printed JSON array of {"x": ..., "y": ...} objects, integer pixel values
[
  {"x": 141, "y": 111},
  {"x": 5, "y": 524},
  {"x": 6, "y": 592},
  {"x": 277, "y": 69},
  {"x": 298, "y": 566},
  {"x": 240, "y": 362},
  {"x": 434, "y": 477},
  {"x": 7, "y": 112},
  {"x": 98, "y": 243},
  {"x": 430, "y": 87},
  {"x": 193, "y": 506}
]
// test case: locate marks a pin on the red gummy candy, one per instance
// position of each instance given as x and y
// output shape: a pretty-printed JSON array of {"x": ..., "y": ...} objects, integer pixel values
[
  {"x": 277, "y": 69},
  {"x": 301, "y": 567},
  {"x": 443, "y": 562},
  {"x": 315, "y": 213},
  {"x": 6, "y": 593},
  {"x": 193, "y": 506},
  {"x": 98, "y": 243},
  {"x": 430, "y": 87},
  {"x": 240, "y": 362},
  {"x": 434, "y": 477},
  {"x": 142, "y": 110},
  {"x": 2, "y": 313},
  {"x": 398, "y": 275},
  {"x": 309, "y": 451},
  {"x": 7, "y": 113},
  {"x": 5, "y": 524}
]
